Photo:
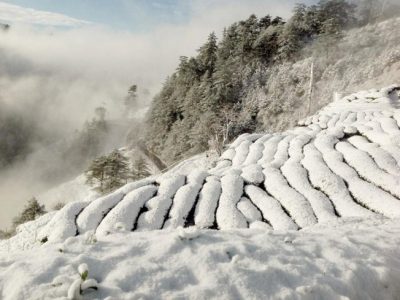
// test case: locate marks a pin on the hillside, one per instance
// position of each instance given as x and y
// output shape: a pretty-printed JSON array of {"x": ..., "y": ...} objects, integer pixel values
[
  {"x": 321, "y": 201},
  {"x": 267, "y": 166},
  {"x": 341, "y": 162},
  {"x": 259, "y": 78},
  {"x": 250, "y": 90}
]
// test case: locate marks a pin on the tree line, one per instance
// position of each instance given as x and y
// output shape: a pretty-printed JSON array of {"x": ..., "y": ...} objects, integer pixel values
[{"x": 204, "y": 103}]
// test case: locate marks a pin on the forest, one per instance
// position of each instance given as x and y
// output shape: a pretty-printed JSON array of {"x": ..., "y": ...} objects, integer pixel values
[{"x": 215, "y": 96}]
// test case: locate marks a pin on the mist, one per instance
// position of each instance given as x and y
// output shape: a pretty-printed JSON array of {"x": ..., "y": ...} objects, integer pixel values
[{"x": 54, "y": 77}]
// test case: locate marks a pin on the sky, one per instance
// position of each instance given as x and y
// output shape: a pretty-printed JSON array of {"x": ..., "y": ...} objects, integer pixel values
[{"x": 141, "y": 15}]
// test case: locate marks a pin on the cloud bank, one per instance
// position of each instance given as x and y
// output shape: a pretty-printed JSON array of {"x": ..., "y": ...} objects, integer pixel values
[
  {"x": 11, "y": 13},
  {"x": 59, "y": 76}
]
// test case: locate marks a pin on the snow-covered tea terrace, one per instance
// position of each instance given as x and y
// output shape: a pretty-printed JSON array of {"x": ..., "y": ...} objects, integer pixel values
[{"x": 310, "y": 213}]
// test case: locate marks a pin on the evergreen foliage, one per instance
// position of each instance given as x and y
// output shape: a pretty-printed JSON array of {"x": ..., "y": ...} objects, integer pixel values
[
  {"x": 108, "y": 172},
  {"x": 190, "y": 113},
  {"x": 30, "y": 212},
  {"x": 16, "y": 137},
  {"x": 88, "y": 142},
  {"x": 6, "y": 234},
  {"x": 131, "y": 100},
  {"x": 140, "y": 169},
  {"x": 58, "y": 206}
]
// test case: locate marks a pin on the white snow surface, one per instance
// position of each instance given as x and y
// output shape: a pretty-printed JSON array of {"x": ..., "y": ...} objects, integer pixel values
[
  {"x": 67, "y": 192},
  {"x": 348, "y": 259},
  {"x": 310, "y": 213}
]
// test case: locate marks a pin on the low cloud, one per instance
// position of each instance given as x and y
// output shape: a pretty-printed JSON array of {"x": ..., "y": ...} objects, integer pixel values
[
  {"x": 18, "y": 14},
  {"x": 58, "y": 76}
]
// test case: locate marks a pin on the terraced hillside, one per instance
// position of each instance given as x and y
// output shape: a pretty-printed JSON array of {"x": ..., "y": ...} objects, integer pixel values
[{"x": 342, "y": 162}]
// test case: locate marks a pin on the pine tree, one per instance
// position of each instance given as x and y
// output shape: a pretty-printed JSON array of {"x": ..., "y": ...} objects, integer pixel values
[
  {"x": 6, "y": 234},
  {"x": 248, "y": 31},
  {"x": 140, "y": 169},
  {"x": 30, "y": 212},
  {"x": 117, "y": 170},
  {"x": 208, "y": 54},
  {"x": 131, "y": 100},
  {"x": 185, "y": 116},
  {"x": 96, "y": 173},
  {"x": 108, "y": 172},
  {"x": 340, "y": 11}
]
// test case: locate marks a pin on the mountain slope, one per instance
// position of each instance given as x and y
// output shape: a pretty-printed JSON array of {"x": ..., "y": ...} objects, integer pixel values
[
  {"x": 252, "y": 91},
  {"x": 341, "y": 162},
  {"x": 321, "y": 200}
]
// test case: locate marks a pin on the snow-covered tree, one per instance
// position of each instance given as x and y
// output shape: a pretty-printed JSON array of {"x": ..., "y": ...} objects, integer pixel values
[
  {"x": 140, "y": 169},
  {"x": 108, "y": 172},
  {"x": 30, "y": 212},
  {"x": 131, "y": 100},
  {"x": 234, "y": 75}
]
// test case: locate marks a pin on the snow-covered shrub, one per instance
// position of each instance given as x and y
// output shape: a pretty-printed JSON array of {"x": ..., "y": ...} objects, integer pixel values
[{"x": 82, "y": 284}]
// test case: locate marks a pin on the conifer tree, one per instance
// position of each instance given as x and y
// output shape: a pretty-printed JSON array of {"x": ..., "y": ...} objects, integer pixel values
[
  {"x": 131, "y": 99},
  {"x": 30, "y": 212},
  {"x": 108, "y": 172},
  {"x": 185, "y": 116},
  {"x": 208, "y": 54},
  {"x": 140, "y": 169}
]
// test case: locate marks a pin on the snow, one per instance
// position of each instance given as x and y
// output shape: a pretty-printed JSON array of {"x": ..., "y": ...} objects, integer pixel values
[
  {"x": 253, "y": 174},
  {"x": 184, "y": 199},
  {"x": 169, "y": 186},
  {"x": 296, "y": 205},
  {"x": 344, "y": 161},
  {"x": 90, "y": 218},
  {"x": 332, "y": 185},
  {"x": 68, "y": 191},
  {"x": 365, "y": 192},
  {"x": 298, "y": 178},
  {"x": 249, "y": 210},
  {"x": 271, "y": 209},
  {"x": 228, "y": 216},
  {"x": 310, "y": 213},
  {"x": 246, "y": 137},
  {"x": 241, "y": 153},
  {"x": 27, "y": 234},
  {"x": 182, "y": 204},
  {"x": 255, "y": 150},
  {"x": 228, "y": 154},
  {"x": 62, "y": 225},
  {"x": 208, "y": 202},
  {"x": 281, "y": 154},
  {"x": 158, "y": 206},
  {"x": 382, "y": 158},
  {"x": 352, "y": 259},
  {"x": 367, "y": 168},
  {"x": 270, "y": 149},
  {"x": 127, "y": 210}
]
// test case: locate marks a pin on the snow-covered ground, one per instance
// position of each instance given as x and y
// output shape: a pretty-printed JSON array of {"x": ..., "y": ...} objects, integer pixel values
[
  {"x": 341, "y": 162},
  {"x": 347, "y": 259},
  {"x": 310, "y": 213},
  {"x": 78, "y": 189},
  {"x": 67, "y": 192}
]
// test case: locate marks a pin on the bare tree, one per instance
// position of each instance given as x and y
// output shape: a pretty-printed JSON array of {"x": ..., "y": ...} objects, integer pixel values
[
  {"x": 220, "y": 132},
  {"x": 311, "y": 87}
]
